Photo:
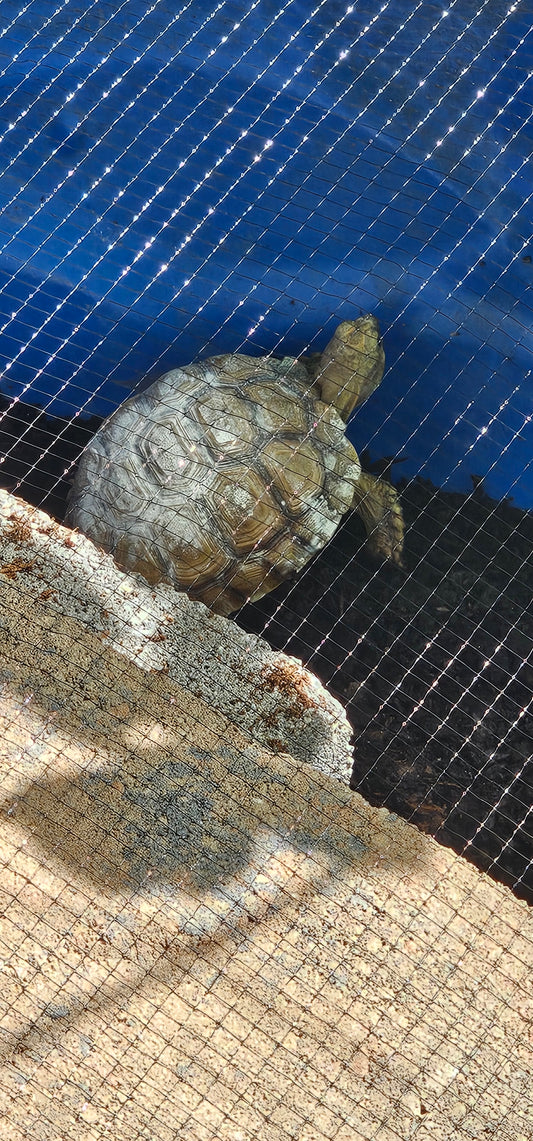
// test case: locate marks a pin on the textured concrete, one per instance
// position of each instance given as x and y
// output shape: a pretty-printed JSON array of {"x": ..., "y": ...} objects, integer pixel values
[
  {"x": 202, "y": 936},
  {"x": 268, "y": 695}
]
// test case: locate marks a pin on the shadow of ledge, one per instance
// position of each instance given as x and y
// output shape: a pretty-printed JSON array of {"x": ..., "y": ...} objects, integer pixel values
[
  {"x": 134, "y": 784},
  {"x": 137, "y": 821},
  {"x": 129, "y": 778}
]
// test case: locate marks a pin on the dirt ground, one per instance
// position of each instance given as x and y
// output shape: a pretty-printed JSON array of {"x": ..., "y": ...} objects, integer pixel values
[{"x": 201, "y": 937}]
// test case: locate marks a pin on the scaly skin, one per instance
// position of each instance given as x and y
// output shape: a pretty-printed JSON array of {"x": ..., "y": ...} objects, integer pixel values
[
  {"x": 346, "y": 373},
  {"x": 377, "y": 504},
  {"x": 351, "y": 366}
]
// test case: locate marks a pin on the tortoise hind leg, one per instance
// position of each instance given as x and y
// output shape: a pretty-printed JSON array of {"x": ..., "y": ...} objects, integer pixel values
[{"x": 377, "y": 504}]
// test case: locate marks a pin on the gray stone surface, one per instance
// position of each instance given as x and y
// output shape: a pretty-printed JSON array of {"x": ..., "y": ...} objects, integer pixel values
[{"x": 270, "y": 696}]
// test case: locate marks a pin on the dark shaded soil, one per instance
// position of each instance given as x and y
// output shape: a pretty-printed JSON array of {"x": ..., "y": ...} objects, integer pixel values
[
  {"x": 434, "y": 664},
  {"x": 37, "y": 453}
]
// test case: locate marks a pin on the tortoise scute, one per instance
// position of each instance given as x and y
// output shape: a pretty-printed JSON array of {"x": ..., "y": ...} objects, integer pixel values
[
  {"x": 168, "y": 456},
  {"x": 327, "y": 426},
  {"x": 277, "y": 409},
  {"x": 141, "y": 559},
  {"x": 315, "y": 528},
  {"x": 228, "y": 475},
  {"x": 296, "y": 471},
  {"x": 249, "y": 513},
  {"x": 198, "y": 560},
  {"x": 227, "y": 423}
]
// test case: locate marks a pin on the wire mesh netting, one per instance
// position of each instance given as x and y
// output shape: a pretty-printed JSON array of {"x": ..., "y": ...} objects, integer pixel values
[{"x": 206, "y": 932}]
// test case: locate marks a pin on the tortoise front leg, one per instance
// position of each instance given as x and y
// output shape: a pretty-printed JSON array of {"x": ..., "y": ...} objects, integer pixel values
[{"x": 377, "y": 504}]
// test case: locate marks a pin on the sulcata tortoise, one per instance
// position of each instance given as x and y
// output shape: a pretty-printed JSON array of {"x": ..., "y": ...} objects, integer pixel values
[{"x": 228, "y": 475}]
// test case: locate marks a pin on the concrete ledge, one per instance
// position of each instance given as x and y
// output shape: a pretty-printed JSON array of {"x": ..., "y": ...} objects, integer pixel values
[
  {"x": 270, "y": 696},
  {"x": 202, "y": 937}
]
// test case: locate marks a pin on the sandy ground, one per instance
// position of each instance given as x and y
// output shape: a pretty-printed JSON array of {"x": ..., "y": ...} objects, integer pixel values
[{"x": 202, "y": 936}]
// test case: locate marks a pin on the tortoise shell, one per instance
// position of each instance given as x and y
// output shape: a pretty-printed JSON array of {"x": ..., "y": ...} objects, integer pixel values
[{"x": 223, "y": 477}]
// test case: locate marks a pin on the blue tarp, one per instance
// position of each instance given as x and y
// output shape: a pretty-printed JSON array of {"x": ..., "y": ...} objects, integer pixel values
[{"x": 178, "y": 181}]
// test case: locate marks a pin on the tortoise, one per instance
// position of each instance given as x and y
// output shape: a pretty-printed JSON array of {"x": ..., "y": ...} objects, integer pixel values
[{"x": 226, "y": 476}]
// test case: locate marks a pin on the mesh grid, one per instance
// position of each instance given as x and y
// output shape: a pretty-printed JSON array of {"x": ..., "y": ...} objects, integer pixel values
[{"x": 200, "y": 936}]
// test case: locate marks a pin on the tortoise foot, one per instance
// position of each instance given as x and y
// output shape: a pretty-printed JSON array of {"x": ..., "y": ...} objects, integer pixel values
[{"x": 377, "y": 504}]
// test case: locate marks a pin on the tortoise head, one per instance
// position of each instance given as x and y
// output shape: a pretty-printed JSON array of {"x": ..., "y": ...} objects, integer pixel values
[{"x": 351, "y": 366}]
